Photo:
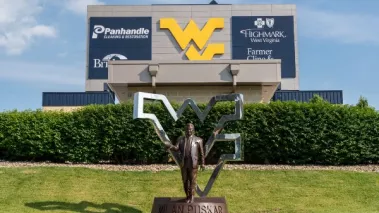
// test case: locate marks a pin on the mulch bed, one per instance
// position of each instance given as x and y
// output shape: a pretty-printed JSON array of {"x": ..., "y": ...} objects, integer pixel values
[{"x": 171, "y": 167}]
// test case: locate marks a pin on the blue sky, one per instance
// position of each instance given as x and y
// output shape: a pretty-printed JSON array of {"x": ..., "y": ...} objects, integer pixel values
[{"x": 42, "y": 47}]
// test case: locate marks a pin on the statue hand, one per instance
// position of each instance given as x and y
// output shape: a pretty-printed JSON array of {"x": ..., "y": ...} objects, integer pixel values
[{"x": 167, "y": 145}]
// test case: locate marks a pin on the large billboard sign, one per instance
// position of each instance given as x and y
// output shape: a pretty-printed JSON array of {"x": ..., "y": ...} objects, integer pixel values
[
  {"x": 263, "y": 38},
  {"x": 99, "y": 58},
  {"x": 199, "y": 37},
  {"x": 117, "y": 38}
]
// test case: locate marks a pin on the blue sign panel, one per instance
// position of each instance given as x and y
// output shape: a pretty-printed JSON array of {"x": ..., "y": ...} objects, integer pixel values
[
  {"x": 99, "y": 57},
  {"x": 265, "y": 37},
  {"x": 120, "y": 31},
  {"x": 117, "y": 38}
]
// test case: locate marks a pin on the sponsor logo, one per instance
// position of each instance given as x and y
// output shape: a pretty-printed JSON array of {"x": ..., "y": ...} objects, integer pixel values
[
  {"x": 260, "y": 34},
  {"x": 119, "y": 33},
  {"x": 254, "y": 54},
  {"x": 259, "y": 23},
  {"x": 199, "y": 37},
  {"x": 270, "y": 22},
  {"x": 264, "y": 36},
  {"x": 103, "y": 63}
]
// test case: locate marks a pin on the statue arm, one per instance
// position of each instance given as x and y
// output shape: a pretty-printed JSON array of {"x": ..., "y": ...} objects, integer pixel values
[{"x": 174, "y": 147}]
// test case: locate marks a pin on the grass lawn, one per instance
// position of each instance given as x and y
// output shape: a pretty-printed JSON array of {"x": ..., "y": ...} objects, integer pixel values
[{"x": 41, "y": 189}]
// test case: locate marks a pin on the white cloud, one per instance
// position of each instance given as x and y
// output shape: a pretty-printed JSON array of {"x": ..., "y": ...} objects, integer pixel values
[
  {"x": 80, "y": 6},
  {"x": 340, "y": 27},
  {"x": 62, "y": 54},
  {"x": 19, "y": 26},
  {"x": 41, "y": 30},
  {"x": 22, "y": 71}
]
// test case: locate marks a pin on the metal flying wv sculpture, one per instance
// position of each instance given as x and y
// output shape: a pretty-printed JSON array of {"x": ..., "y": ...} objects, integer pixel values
[{"x": 139, "y": 98}]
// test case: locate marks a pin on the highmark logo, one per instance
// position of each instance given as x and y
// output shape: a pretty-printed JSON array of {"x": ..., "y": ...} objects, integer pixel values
[
  {"x": 263, "y": 35},
  {"x": 260, "y": 23},
  {"x": 200, "y": 37},
  {"x": 119, "y": 33}
]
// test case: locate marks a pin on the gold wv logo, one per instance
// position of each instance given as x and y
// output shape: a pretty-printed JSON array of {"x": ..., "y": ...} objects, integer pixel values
[{"x": 200, "y": 37}]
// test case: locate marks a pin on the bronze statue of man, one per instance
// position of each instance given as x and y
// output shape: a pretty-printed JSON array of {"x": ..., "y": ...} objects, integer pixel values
[{"x": 190, "y": 148}]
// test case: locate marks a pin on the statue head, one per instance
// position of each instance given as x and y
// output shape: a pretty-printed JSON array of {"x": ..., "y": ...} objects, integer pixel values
[{"x": 190, "y": 129}]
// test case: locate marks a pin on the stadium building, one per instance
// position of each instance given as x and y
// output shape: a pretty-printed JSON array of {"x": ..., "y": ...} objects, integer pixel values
[{"x": 190, "y": 51}]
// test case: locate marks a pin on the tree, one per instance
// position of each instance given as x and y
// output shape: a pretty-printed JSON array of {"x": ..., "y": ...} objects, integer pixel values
[
  {"x": 363, "y": 102},
  {"x": 316, "y": 99}
]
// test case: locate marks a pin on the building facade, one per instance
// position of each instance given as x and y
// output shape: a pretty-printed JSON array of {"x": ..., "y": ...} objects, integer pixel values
[
  {"x": 178, "y": 41},
  {"x": 192, "y": 51}
]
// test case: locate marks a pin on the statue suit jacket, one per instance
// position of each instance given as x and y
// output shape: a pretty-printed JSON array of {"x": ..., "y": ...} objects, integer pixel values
[{"x": 197, "y": 150}]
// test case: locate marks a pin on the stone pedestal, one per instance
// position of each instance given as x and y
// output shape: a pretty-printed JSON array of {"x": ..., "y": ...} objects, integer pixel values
[{"x": 200, "y": 205}]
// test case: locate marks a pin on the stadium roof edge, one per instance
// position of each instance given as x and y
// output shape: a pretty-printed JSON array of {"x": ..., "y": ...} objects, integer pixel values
[{"x": 104, "y": 5}]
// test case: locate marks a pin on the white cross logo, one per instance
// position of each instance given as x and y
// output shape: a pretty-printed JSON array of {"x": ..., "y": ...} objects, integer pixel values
[{"x": 259, "y": 23}]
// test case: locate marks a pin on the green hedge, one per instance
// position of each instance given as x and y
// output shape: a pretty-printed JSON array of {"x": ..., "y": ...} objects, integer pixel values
[{"x": 278, "y": 133}]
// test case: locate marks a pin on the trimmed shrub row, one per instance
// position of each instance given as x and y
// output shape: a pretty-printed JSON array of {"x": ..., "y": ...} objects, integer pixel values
[{"x": 278, "y": 133}]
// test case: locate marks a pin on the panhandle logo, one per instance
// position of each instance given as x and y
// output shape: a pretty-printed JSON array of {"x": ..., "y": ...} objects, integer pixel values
[
  {"x": 258, "y": 35},
  {"x": 119, "y": 33},
  {"x": 200, "y": 37},
  {"x": 103, "y": 63}
]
